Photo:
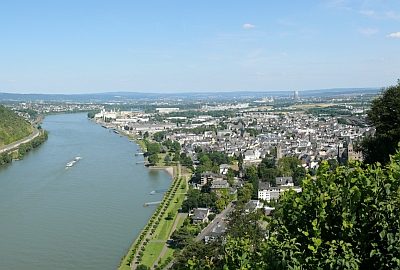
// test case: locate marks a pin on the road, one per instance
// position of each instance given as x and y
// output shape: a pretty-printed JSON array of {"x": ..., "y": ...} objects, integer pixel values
[
  {"x": 15, "y": 145},
  {"x": 215, "y": 221}
]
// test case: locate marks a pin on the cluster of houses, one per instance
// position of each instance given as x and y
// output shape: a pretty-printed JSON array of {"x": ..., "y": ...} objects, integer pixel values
[{"x": 254, "y": 136}]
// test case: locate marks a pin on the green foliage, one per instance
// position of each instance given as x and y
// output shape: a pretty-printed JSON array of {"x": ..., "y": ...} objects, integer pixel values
[
  {"x": 385, "y": 116},
  {"x": 182, "y": 237},
  {"x": 142, "y": 267},
  {"x": 288, "y": 165},
  {"x": 245, "y": 193},
  {"x": 153, "y": 158},
  {"x": 197, "y": 198},
  {"x": 26, "y": 147},
  {"x": 267, "y": 174},
  {"x": 230, "y": 175},
  {"x": 251, "y": 176},
  {"x": 12, "y": 127},
  {"x": 253, "y": 132},
  {"x": 91, "y": 114},
  {"x": 299, "y": 175},
  {"x": 346, "y": 219},
  {"x": 153, "y": 148},
  {"x": 5, "y": 158},
  {"x": 158, "y": 136}
]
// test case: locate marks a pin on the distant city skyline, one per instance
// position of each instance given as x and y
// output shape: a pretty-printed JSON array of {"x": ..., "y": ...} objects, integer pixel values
[{"x": 72, "y": 47}]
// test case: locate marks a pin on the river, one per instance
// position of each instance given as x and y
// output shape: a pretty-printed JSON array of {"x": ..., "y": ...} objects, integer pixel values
[{"x": 84, "y": 217}]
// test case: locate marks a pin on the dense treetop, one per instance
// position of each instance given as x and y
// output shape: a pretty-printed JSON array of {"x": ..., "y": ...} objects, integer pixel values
[{"x": 384, "y": 115}]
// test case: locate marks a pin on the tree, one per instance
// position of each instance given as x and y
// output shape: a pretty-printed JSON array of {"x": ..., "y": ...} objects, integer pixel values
[
  {"x": 167, "y": 159},
  {"x": 182, "y": 237},
  {"x": 299, "y": 175},
  {"x": 333, "y": 164},
  {"x": 153, "y": 148},
  {"x": 384, "y": 115},
  {"x": 159, "y": 136},
  {"x": 287, "y": 165},
  {"x": 251, "y": 175},
  {"x": 267, "y": 174},
  {"x": 240, "y": 162},
  {"x": 230, "y": 175},
  {"x": 153, "y": 158},
  {"x": 268, "y": 162},
  {"x": 170, "y": 215},
  {"x": 142, "y": 267},
  {"x": 244, "y": 194},
  {"x": 345, "y": 219}
]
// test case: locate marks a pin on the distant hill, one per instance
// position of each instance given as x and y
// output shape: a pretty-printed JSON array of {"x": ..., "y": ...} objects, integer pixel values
[
  {"x": 12, "y": 127},
  {"x": 192, "y": 96}
]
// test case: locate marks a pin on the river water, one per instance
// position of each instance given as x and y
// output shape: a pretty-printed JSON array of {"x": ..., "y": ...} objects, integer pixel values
[{"x": 84, "y": 217}]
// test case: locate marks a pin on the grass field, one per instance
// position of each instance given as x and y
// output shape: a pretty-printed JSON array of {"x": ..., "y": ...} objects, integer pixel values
[{"x": 153, "y": 250}]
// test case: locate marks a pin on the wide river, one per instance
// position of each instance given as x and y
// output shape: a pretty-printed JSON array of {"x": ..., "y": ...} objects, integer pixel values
[{"x": 84, "y": 217}]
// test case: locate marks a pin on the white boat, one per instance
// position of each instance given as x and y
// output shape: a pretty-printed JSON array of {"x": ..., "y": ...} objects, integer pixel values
[{"x": 72, "y": 162}]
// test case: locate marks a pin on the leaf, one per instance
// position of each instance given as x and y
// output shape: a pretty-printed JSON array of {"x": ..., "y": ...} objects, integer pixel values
[{"x": 372, "y": 253}]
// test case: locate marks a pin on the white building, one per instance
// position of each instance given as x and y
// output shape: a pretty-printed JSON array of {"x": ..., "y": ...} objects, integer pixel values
[{"x": 267, "y": 192}]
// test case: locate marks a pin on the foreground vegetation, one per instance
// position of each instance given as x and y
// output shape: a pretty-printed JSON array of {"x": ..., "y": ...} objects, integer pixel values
[{"x": 346, "y": 219}]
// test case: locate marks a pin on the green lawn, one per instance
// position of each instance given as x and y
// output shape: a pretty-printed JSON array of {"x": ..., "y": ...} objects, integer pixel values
[
  {"x": 180, "y": 223},
  {"x": 153, "y": 250},
  {"x": 164, "y": 228},
  {"x": 168, "y": 253}
]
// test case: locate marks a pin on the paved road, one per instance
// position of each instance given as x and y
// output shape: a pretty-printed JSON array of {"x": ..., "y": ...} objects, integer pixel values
[
  {"x": 215, "y": 221},
  {"x": 16, "y": 144}
]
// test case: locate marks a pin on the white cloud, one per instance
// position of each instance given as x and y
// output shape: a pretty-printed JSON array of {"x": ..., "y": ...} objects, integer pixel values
[
  {"x": 393, "y": 15},
  {"x": 370, "y": 13},
  {"x": 339, "y": 4},
  {"x": 383, "y": 60},
  {"x": 247, "y": 26},
  {"x": 394, "y": 35},
  {"x": 368, "y": 31}
]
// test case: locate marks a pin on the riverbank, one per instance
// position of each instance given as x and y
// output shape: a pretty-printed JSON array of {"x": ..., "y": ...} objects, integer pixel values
[
  {"x": 149, "y": 246},
  {"x": 17, "y": 150}
]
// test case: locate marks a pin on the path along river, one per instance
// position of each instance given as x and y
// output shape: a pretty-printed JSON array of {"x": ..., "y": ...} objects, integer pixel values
[{"x": 84, "y": 217}]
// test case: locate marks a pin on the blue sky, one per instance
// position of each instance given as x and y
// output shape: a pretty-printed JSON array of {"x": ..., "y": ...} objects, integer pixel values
[{"x": 67, "y": 46}]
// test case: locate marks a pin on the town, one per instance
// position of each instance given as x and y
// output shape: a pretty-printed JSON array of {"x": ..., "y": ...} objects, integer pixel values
[{"x": 235, "y": 154}]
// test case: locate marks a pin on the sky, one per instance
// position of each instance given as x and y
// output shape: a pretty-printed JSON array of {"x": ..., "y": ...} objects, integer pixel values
[{"x": 69, "y": 47}]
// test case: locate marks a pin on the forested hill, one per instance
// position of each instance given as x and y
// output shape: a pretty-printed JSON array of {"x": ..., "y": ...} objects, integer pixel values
[{"x": 12, "y": 127}]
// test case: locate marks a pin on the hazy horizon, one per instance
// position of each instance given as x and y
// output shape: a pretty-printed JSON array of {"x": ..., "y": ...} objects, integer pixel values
[{"x": 89, "y": 47}]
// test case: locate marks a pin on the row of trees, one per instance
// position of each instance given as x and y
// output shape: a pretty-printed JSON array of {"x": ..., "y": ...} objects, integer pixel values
[{"x": 24, "y": 148}]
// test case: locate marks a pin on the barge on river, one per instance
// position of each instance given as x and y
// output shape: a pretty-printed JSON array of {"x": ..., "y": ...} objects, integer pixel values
[{"x": 72, "y": 162}]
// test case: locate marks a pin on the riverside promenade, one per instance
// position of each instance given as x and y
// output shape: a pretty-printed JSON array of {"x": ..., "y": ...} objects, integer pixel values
[{"x": 150, "y": 247}]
